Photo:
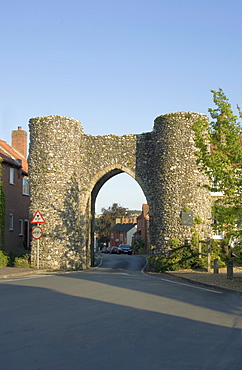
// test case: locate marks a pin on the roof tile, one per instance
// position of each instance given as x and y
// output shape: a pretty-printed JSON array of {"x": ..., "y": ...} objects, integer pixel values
[{"x": 12, "y": 156}]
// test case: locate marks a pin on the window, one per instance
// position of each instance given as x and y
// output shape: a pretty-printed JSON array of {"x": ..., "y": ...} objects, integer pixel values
[
  {"x": 218, "y": 234},
  {"x": 11, "y": 221},
  {"x": 216, "y": 188},
  {"x": 21, "y": 227},
  {"x": 11, "y": 176},
  {"x": 25, "y": 186}
]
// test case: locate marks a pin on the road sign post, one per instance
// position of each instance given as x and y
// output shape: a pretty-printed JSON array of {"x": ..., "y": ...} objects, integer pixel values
[
  {"x": 37, "y": 232},
  {"x": 37, "y": 259}
]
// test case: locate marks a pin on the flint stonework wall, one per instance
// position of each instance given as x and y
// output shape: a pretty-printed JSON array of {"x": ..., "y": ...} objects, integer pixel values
[
  {"x": 67, "y": 168},
  {"x": 177, "y": 180}
]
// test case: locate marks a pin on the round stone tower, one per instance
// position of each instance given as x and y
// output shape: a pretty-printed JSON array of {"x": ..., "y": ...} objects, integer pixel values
[
  {"x": 55, "y": 192},
  {"x": 180, "y": 205}
]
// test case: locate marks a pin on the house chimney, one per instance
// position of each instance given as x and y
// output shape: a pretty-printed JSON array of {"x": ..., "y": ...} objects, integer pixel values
[
  {"x": 145, "y": 209},
  {"x": 19, "y": 141}
]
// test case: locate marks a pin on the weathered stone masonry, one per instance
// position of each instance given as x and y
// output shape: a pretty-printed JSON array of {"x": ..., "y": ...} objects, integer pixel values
[{"x": 67, "y": 168}]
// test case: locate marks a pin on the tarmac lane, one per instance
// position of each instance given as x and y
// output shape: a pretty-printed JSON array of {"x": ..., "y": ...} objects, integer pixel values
[{"x": 117, "y": 316}]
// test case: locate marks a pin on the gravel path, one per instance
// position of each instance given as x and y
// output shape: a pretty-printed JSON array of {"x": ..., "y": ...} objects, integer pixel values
[{"x": 219, "y": 279}]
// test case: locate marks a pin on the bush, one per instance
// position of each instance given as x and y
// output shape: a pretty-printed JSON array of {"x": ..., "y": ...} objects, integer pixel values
[
  {"x": 138, "y": 244},
  {"x": 157, "y": 263},
  {"x": 22, "y": 262},
  {"x": 11, "y": 258},
  {"x": 3, "y": 259},
  {"x": 186, "y": 257},
  {"x": 181, "y": 259},
  {"x": 199, "y": 263}
]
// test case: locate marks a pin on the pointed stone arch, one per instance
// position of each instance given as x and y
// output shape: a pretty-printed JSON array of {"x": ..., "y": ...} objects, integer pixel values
[{"x": 107, "y": 173}]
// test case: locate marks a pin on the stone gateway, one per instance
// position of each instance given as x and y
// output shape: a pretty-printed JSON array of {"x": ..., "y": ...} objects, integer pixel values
[{"x": 67, "y": 168}]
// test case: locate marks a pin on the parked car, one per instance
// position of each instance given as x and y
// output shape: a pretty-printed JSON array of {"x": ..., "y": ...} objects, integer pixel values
[
  {"x": 104, "y": 250},
  {"x": 108, "y": 250},
  {"x": 124, "y": 248},
  {"x": 114, "y": 250}
]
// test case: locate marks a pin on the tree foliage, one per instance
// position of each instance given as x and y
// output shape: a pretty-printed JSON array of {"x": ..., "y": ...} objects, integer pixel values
[
  {"x": 219, "y": 156},
  {"x": 108, "y": 218}
]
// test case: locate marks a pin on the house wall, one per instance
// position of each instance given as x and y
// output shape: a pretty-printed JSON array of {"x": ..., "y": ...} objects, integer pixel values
[
  {"x": 118, "y": 238},
  {"x": 142, "y": 227},
  {"x": 16, "y": 204},
  {"x": 130, "y": 234}
]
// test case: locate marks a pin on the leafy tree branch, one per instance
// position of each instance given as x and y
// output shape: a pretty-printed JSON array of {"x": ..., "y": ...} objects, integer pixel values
[{"x": 219, "y": 156}]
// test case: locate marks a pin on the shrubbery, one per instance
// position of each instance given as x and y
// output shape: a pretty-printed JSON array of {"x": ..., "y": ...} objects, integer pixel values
[
  {"x": 186, "y": 257},
  {"x": 138, "y": 244},
  {"x": 3, "y": 259},
  {"x": 13, "y": 260},
  {"x": 22, "y": 262}
]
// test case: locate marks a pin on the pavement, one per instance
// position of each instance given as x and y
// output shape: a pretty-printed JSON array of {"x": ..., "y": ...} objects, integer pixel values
[
  {"x": 208, "y": 279},
  {"x": 8, "y": 272}
]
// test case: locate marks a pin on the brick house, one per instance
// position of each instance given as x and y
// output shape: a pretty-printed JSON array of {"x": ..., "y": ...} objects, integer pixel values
[
  {"x": 15, "y": 184},
  {"x": 122, "y": 233},
  {"x": 143, "y": 226},
  {"x": 130, "y": 217}
]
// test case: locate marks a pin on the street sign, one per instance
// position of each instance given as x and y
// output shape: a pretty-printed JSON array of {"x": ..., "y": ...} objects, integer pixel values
[
  {"x": 36, "y": 232},
  {"x": 187, "y": 218},
  {"x": 38, "y": 218}
]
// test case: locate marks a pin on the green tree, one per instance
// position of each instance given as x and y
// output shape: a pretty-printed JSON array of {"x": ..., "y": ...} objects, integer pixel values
[
  {"x": 219, "y": 156},
  {"x": 108, "y": 218}
]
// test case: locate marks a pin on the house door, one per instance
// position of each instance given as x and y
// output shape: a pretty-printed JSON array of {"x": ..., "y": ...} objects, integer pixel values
[{"x": 26, "y": 234}]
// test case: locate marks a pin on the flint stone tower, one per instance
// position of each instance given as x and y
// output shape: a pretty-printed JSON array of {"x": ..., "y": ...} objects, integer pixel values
[{"x": 67, "y": 168}]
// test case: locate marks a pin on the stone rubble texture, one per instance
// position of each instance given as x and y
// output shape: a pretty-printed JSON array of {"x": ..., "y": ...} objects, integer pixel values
[{"x": 67, "y": 168}]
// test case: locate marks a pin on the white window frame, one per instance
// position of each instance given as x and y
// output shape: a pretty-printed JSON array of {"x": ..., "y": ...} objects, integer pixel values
[
  {"x": 11, "y": 175},
  {"x": 11, "y": 222},
  {"x": 215, "y": 186},
  {"x": 220, "y": 234},
  {"x": 25, "y": 186}
]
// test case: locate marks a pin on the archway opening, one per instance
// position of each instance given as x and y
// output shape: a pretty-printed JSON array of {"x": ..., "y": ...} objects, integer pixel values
[
  {"x": 121, "y": 189},
  {"x": 118, "y": 187}
]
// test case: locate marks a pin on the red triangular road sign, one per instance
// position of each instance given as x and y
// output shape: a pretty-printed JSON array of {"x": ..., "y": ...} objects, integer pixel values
[{"x": 38, "y": 218}]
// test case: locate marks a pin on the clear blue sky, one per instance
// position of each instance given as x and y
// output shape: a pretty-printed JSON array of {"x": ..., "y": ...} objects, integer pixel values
[{"x": 116, "y": 65}]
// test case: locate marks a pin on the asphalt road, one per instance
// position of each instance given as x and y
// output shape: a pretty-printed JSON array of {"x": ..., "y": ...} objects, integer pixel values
[{"x": 119, "y": 318}]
